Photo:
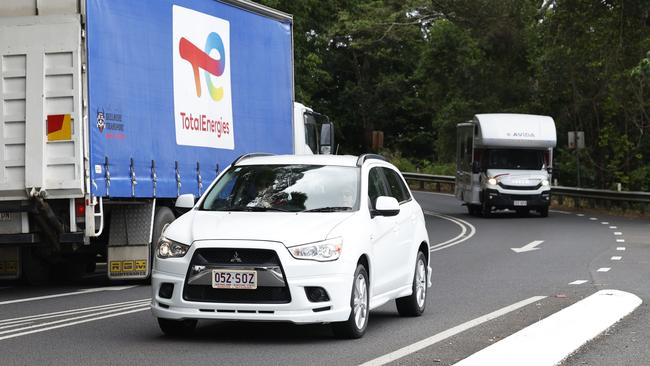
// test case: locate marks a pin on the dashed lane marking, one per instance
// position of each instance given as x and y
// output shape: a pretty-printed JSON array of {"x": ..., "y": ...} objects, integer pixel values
[
  {"x": 617, "y": 233},
  {"x": 605, "y": 223},
  {"x": 613, "y": 227},
  {"x": 561, "y": 212},
  {"x": 580, "y": 215},
  {"x": 620, "y": 240},
  {"x": 616, "y": 258},
  {"x": 578, "y": 282},
  {"x": 593, "y": 218},
  {"x": 417, "y": 346},
  {"x": 603, "y": 269},
  {"x": 620, "y": 249}
]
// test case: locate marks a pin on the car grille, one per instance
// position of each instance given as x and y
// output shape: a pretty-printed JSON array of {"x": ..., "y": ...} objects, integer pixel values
[
  {"x": 224, "y": 258},
  {"x": 520, "y": 188}
]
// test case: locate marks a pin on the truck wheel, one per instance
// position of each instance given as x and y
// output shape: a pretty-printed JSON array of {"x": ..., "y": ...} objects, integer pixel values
[
  {"x": 177, "y": 328},
  {"x": 162, "y": 217},
  {"x": 543, "y": 212},
  {"x": 36, "y": 272},
  {"x": 473, "y": 210},
  {"x": 486, "y": 210}
]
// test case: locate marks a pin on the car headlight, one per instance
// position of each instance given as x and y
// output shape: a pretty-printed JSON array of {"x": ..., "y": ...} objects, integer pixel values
[
  {"x": 492, "y": 182},
  {"x": 322, "y": 251},
  {"x": 545, "y": 183},
  {"x": 170, "y": 249}
]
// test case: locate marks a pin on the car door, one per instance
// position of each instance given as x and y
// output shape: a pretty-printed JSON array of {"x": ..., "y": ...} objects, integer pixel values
[
  {"x": 405, "y": 247},
  {"x": 383, "y": 237}
]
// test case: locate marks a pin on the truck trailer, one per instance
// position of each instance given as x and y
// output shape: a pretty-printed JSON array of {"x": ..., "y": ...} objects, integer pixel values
[
  {"x": 110, "y": 110},
  {"x": 505, "y": 161}
]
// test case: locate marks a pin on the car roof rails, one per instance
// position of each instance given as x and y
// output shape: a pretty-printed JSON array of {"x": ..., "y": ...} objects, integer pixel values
[
  {"x": 364, "y": 157},
  {"x": 251, "y": 155}
]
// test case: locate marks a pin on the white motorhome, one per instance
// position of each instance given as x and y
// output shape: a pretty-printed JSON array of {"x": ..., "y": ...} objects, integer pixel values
[{"x": 504, "y": 161}]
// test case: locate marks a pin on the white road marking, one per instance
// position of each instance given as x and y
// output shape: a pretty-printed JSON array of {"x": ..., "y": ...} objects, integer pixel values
[
  {"x": 616, "y": 258},
  {"x": 603, "y": 269},
  {"x": 593, "y": 218},
  {"x": 613, "y": 227},
  {"x": 620, "y": 249},
  {"x": 57, "y": 314},
  {"x": 605, "y": 223},
  {"x": 618, "y": 233},
  {"x": 417, "y": 346},
  {"x": 561, "y": 212},
  {"x": 528, "y": 247},
  {"x": 620, "y": 240},
  {"x": 15, "y": 325},
  {"x": 74, "y": 323},
  {"x": 578, "y": 282},
  {"x": 82, "y": 292},
  {"x": 580, "y": 215},
  {"x": 467, "y": 230},
  {"x": 551, "y": 340}
]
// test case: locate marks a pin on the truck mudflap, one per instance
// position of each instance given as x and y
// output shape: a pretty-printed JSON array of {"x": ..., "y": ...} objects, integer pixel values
[
  {"x": 129, "y": 242},
  {"x": 9, "y": 263}
]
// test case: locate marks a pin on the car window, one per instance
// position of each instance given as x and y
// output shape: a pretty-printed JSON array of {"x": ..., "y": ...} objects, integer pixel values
[
  {"x": 376, "y": 186},
  {"x": 396, "y": 185}
]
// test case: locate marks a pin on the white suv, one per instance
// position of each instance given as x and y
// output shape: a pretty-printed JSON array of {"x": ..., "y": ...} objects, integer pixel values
[{"x": 305, "y": 239}]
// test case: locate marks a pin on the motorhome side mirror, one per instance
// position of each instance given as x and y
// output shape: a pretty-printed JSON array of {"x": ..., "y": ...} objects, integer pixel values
[
  {"x": 476, "y": 167},
  {"x": 386, "y": 206},
  {"x": 549, "y": 170},
  {"x": 185, "y": 202},
  {"x": 327, "y": 138}
]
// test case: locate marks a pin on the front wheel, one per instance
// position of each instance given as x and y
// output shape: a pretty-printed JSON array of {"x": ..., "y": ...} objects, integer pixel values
[
  {"x": 357, "y": 322},
  {"x": 414, "y": 304}
]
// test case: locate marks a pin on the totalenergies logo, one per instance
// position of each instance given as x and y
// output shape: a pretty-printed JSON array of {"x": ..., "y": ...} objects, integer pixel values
[{"x": 200, "y": 59}]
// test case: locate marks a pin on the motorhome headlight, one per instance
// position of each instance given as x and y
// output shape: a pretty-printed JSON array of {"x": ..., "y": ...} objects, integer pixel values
[
  {"x": 492, "y": 181},
  {"x": 322, "y": 251},
  {"x": 170, "y": 249},
  {"x": 545, "y": 183}
]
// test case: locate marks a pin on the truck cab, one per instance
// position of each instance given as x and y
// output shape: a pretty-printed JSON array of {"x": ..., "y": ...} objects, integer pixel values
[
  {"x": 504, "y": 161},
  {"x": 313, "y": 132}
]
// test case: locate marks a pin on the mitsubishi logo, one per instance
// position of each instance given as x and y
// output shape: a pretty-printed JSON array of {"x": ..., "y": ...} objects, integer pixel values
[{"x": 235, "y": 258}]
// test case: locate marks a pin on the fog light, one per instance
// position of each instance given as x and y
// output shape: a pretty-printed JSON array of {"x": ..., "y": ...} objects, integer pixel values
[
  {"x": 316, "y": 294},
  {"x": 166, "y": 290}
]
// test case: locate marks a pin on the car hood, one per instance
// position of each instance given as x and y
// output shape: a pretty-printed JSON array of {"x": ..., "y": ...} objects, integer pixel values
[
  {"x": 288, "y": 228},
  {"x": 518, "y": 177}
]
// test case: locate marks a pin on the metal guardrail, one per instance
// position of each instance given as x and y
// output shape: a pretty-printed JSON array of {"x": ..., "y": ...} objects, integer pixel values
[{"x": 591, "y": 196}]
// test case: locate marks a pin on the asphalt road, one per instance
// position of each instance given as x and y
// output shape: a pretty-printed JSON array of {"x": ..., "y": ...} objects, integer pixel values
[{"x": 475, "y": 273}]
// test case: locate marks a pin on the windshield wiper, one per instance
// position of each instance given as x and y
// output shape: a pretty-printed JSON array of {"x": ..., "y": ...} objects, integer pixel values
[{"x": 329, "y": 209}]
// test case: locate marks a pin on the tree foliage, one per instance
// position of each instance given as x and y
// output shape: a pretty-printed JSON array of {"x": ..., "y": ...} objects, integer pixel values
[{"x": 415, "y": 68}]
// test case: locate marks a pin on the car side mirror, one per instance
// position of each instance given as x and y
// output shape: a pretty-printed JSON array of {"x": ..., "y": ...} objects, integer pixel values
[
  {"x": 185, "y": 202},
  {"x": 476, "y": 167},
  {"x": 386, "y": 206},
  {"x": 327, "y": 138}
]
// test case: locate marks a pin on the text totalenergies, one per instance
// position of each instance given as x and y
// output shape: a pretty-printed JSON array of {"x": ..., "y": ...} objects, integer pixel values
[{"x": 204, "y": 124}]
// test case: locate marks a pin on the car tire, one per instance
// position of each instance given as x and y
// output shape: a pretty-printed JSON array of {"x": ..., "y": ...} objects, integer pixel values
[
  {"x": 177, "y": 328},
  {"x": 486, "y": 210},
  {"x": 543, "y": 211},
  {"x": 357, "y": 322},
  {"x": 414, "y": 304}
]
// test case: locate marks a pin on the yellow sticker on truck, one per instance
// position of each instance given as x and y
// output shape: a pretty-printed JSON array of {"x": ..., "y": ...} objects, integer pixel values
[{"x": 128, "y": 268}]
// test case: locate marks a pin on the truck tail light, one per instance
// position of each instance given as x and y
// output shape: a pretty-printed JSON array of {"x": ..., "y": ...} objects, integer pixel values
[{"x": 80, "y": 208}]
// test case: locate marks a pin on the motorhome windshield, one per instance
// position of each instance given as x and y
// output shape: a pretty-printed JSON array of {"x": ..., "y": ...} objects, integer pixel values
[{"x": 515, "y": 159}]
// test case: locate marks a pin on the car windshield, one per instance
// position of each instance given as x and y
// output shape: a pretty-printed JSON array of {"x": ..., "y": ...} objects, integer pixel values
[
  {"x": 515, "y": 159},
  {"x": 285, "y": 188}
]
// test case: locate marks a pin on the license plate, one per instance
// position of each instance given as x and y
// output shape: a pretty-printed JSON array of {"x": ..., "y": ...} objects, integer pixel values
[
  {"x": 234, "y": 279},
  {"x": 521, "y": 203},
  {"x": 6, "y": 216}
]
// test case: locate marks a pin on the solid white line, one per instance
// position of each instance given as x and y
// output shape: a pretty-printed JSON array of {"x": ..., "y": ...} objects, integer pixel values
[
  {"x": 417, "y": 346},
  {"x": 616, "y": 258},
  {"x": 578, "y": 282},
  {"x": 71, "y": 311},
  {"x": 551, "y": 340},
  {"x": 603, "y": 269},
  {"x": 620, "y": 249},
  {"x": 463, "y": 236},
  {"x": 620, "y": 240},
  {"x": 82, "y": 292},
  {"x": 15, "y": 325},
  {"x": 613, "y": 227},
  {"x": 618, "y": 233},
  {"x": 71, "y": 324},
  {"x": 146, "y": 306}
]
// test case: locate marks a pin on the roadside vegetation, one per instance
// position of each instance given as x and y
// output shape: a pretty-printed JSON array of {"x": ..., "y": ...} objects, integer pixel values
[{"x": 415, "y": 68}]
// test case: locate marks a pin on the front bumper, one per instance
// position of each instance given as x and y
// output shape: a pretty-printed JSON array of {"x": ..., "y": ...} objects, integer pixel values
[
  {"x": 298, "y": 274},
  {"x": 501, "y": 200}
]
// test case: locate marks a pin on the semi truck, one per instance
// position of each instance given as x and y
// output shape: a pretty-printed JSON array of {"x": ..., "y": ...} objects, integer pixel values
[
  {"x": 110, "y": 110},
  {"x": 505, "y": 161}
]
